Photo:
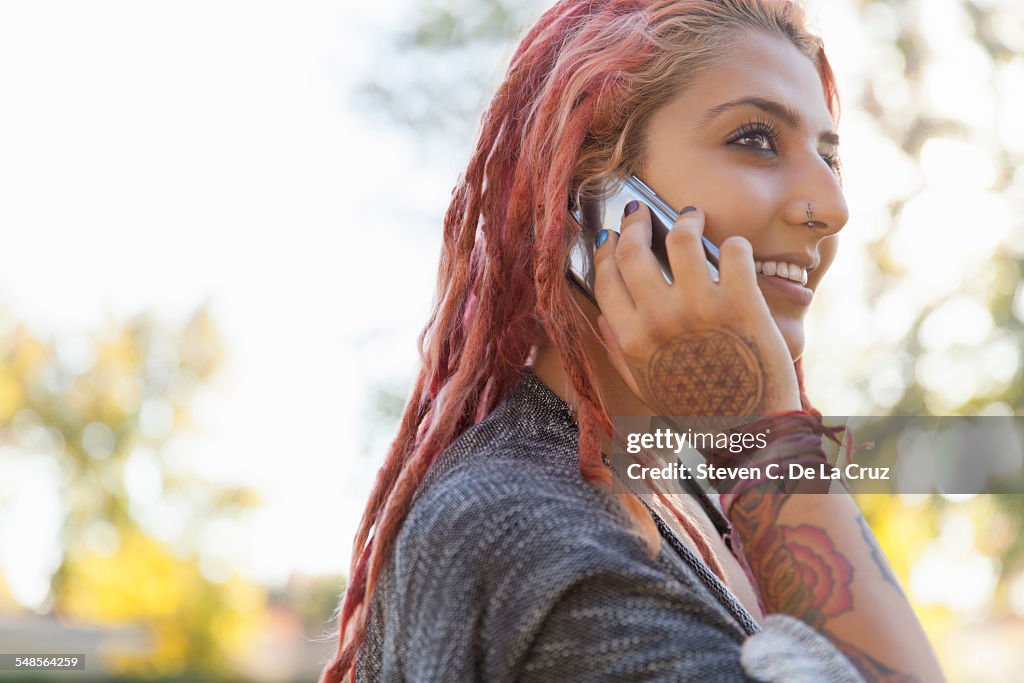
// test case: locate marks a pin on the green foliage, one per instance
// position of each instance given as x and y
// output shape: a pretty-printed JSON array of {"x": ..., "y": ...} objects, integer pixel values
[{"x": 423, "y": 79}]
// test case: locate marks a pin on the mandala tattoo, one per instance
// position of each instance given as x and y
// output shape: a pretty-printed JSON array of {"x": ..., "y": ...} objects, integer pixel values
[{"x": 707, "y": 372}]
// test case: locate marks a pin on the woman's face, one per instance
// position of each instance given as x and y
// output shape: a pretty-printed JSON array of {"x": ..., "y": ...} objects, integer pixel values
[{"x": 749, "y": 142}]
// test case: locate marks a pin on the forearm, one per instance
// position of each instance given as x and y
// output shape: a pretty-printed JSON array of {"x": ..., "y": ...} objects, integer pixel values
[{"x": 814, "y": 557}]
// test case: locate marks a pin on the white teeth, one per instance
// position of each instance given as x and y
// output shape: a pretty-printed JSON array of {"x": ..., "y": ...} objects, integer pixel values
[{"x": 789, "y": 271}]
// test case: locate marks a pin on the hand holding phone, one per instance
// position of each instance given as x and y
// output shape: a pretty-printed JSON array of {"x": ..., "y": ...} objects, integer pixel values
[
  {"x": 693, "y": 346},
  {"x": 594, "y": 216}
]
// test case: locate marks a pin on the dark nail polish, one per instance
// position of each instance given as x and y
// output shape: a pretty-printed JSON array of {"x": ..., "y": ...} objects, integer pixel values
[
  {"x": 602, "y": 237},
  {"x": 632, "y": 206},
  {"x": 688, "y": 210}
]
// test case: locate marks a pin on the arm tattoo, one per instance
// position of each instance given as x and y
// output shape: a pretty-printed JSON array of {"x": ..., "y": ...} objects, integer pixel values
[
  {"x": 707, "y": 372},
  {"x": 877, "y": 555},
  {"x": 800, "y": 572}
]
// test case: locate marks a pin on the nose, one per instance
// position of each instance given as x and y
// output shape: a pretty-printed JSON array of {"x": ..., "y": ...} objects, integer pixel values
[{"x": 816, "y": 198}]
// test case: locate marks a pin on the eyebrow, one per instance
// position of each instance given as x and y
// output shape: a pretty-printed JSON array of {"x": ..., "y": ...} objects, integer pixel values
[{"x": 787, "y": 114}]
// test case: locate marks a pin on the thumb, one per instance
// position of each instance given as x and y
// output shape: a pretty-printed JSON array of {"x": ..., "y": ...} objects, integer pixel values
[{"x": 618, "y": 361}]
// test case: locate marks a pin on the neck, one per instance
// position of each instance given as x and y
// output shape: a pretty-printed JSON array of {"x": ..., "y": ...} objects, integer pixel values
[{"x": 617, "y": 397}]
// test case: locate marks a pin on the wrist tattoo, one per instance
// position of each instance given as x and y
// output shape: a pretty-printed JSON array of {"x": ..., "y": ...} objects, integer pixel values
[{"x": 707, "y": 372}]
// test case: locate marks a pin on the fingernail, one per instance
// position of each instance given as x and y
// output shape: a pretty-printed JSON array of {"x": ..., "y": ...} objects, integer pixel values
[
  {"x": 688, "y": 210},
  {"x": 631, "y": 207},
  {"x": 602, "y": 237}
]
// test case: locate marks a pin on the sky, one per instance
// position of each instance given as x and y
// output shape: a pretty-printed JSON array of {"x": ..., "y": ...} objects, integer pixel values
[
  {"x": 157, "y": 154},
  {"x": 154, "y": 155}
]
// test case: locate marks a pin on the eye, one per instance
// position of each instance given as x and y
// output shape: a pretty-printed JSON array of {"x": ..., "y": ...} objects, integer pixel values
[
  {"x": 832, "y": 159},
  {"x": 757, "y": 134}
]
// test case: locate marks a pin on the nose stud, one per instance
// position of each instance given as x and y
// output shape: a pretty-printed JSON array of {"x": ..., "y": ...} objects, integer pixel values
[{"x": 810, "y": 216}]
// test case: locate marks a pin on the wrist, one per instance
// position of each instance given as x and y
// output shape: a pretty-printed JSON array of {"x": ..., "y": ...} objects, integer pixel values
[{"x": 786, "y": 457}]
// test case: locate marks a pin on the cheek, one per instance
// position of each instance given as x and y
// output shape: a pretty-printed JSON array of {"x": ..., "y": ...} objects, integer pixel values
[
  {"x": 827, "y": 249},
  {"x": 739, "y": 204},
  {"x": 736, "y": 199}
]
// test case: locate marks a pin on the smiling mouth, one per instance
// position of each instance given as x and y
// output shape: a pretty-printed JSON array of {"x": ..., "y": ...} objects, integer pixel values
[{"x": 783, "y": 270}]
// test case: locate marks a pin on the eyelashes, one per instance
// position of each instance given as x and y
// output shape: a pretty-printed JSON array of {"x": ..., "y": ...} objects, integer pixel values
[
  {"x": 832, "y": 159},
  {"x": 758, "y": 128},
  {"x": 768, "y": 132}
]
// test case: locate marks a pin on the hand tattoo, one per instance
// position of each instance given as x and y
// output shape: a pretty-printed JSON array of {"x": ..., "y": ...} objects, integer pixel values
[{"x": 707, "y": 372}]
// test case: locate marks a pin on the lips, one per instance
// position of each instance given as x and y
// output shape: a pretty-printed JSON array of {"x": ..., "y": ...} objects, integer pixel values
[{"x": 794, "y": 291}]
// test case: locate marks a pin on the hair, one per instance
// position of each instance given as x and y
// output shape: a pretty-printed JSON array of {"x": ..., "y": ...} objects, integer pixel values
[{"x": 570, "y": 114}]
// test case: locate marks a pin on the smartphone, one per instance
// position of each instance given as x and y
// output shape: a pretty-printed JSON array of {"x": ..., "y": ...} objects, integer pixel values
[{"x": 596, "y": 215}]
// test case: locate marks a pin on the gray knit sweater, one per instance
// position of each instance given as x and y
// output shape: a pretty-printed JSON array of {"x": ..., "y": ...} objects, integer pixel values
[{"x": 510, "y": 567}]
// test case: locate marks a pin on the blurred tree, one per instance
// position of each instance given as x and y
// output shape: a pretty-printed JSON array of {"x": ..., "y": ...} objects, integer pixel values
[
  {"x": 961, "y": 352},
  {"x": 313, "y": 599},
  {"x": 913, "y": 121},
  {"x": 436, "y": 42},
  {"x": 7, "y": 601},
  {"x": 198, "y": 626},
  {"x": 104, "y": 406}
]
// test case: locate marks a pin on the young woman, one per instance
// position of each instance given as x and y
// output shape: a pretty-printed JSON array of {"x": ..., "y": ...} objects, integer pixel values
[{"x": 492, "y": 547}]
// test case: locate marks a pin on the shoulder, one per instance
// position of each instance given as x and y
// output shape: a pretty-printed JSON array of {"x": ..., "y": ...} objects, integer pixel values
[
  {"x": 488, "y": 550},
  {"x": 503, "y": 559},
  {"x": 500, "y": 509}
]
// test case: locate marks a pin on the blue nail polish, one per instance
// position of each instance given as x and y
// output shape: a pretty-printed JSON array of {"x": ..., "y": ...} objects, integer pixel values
[
  {"x": 688, "y": 210},
  {"x": 632, "y": 206},
  {"x": 602, "y": 237}
]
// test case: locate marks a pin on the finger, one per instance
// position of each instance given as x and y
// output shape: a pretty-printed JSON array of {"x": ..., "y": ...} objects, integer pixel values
[
  {"x": 609, "y": 289},
  {"x": 637, "y": 263},
  {"x": 615, "y": 356},
  {"x": 686, "y": 252},
  {"x": 736, "y": 265}
]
